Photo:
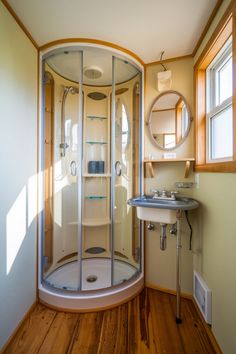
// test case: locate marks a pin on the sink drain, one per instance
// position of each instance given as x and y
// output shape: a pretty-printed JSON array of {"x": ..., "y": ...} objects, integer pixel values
[{"x": 91, "y": 278}]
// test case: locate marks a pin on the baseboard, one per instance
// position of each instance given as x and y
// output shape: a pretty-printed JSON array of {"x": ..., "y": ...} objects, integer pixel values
[
  {"x": 28, "y": 313},
  {"x": 167, "y": 291},
  {"x": 190, "y": 297},
  {"x": 208, "y": 330}
]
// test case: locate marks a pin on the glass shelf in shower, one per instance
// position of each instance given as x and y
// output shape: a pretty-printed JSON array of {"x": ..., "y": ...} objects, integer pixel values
[
  {"x": 96, "y": 222},
  {"x": 97, "y": 175},
  {"x": 96, "y": 117},
  {"x": 96, "y": 142},
  {"x": 95, "y": 197}
]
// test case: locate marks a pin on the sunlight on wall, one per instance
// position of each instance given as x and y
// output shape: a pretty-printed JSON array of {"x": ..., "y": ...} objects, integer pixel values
[
  {"x": 32, "y": 199},
  {"x": 16, "y": 227}
]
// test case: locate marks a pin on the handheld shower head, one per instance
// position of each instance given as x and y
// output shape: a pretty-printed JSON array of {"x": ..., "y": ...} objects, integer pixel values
[{"x": 73, "y": 90}]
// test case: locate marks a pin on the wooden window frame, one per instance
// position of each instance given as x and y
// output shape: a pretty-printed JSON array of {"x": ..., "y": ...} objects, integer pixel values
[{"x": 225, "y": 28}]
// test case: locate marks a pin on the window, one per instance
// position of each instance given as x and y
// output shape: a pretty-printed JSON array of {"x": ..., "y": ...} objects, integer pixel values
[
  {"x": 219, "y": 117},
  {"x": 215, "y": 97}
]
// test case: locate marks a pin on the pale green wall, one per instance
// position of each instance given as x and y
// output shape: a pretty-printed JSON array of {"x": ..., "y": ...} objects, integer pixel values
[
  {"x": 160, "y": 266},
  {"x": 18, "y": 136},
  {"x": 216, "y": 260}
]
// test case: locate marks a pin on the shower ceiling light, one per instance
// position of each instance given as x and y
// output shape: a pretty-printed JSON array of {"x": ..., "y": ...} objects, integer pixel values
[{"x": 93, "y": 72}]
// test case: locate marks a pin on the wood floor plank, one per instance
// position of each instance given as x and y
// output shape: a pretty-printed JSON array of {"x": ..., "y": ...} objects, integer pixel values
[
  {"x": 108, "y": 337},
  {"x": 192, "y": 331},
  {"x": 86, "y": 336},
  {"x": 122, "y": 330},
  {"x": 58, "y": 339},
  {"x": 138, "y": 327},
  {"x": 31, "y": 334},
  {"x": 164, "y": 325},
  {"x": 145, "y": 325}
]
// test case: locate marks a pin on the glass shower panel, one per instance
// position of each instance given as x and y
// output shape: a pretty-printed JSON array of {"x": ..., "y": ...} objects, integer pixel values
[
  {"x": 62, "y": 148},
  {"x": 126, "y": 228},
  {"x": 96, "y": 220}
]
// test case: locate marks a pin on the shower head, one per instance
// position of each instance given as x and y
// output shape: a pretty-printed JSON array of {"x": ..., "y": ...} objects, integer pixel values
[{"x": 73, "y": 90}]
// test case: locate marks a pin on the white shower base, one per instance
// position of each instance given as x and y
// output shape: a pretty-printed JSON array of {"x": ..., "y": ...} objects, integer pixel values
[
  {"x": 67, "y": 276},
  {"x": 103, "y": 295}
]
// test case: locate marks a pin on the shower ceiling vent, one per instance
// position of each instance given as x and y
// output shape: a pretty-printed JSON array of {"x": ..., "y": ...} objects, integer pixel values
[{"x": 92, "y": 72}]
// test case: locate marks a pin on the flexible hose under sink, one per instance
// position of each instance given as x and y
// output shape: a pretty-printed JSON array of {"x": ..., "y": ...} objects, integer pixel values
[{"x": 191, "y": 231}]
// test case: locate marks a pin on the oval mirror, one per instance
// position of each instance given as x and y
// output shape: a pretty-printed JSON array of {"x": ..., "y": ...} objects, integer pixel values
[{"x": 169, "y": 120}]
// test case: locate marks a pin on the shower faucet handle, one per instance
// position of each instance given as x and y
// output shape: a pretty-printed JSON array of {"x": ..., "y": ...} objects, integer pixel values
[
  {"x": 73, "y": 168},
  {"x": 156, "y": 192}
]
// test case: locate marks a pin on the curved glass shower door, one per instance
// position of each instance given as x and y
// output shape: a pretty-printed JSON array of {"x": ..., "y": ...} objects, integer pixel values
[
  {"x": 126, "y": 155},
  {"x": 91, "y": 162},
  {"x": 62, "y": 178}
]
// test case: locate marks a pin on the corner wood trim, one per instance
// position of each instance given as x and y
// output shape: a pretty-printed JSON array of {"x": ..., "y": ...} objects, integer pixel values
[
  {"x": 208, "y": 329},
  {"x": 12, "y": 336},
  {"x": 20, "y": 23},
  {"x": 93, "y": 41},
  {"x": 191, "y": 298},
  {"x": 206, "y": 28}
]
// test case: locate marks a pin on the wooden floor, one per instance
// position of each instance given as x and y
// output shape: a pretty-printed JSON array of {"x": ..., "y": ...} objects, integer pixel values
[{"x": 144, "y": 325}]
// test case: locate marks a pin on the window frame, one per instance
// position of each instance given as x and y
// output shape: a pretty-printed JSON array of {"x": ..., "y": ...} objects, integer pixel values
[
  {"x": 213, "y": 104},
  {"x": 225, "y": 28}
]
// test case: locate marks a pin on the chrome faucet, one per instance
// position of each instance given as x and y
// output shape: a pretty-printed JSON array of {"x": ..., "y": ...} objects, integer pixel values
[{"x": 164, "y": 194}]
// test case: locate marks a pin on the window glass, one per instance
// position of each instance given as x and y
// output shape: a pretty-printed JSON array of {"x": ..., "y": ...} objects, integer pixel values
[
  {"x": 225, "y": 80},
  {"x": 222, "y": 136},
  {"x": 219, "y": 105}
]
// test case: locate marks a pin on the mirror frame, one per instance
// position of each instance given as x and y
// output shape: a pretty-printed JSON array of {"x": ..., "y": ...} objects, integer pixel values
[{"x": 150, "y": 125}]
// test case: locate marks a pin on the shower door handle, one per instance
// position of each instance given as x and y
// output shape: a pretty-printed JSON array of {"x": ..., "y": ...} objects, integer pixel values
[
  {"x": 118, "y": 168},
  {"x": 73, "y": 168}
]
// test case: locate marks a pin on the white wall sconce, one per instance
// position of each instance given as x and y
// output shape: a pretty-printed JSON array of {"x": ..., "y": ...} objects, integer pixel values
[{"x": 164, "y": 78}]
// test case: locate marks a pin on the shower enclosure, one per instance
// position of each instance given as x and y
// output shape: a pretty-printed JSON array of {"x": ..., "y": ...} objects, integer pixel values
[{"x": 90, "y": 159}]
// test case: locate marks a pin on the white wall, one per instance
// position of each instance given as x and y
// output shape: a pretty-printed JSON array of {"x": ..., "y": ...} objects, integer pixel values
[{"x": 18, "y": 156}]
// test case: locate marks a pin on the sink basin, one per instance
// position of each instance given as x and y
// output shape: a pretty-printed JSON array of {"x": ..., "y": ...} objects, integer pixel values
[{"x": 161, "y": 210}]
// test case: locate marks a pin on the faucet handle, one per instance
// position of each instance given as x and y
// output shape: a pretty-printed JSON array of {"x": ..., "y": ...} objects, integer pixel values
[
  {"x": 173, "y": 194},
  {"x": 155, "y": 191}
]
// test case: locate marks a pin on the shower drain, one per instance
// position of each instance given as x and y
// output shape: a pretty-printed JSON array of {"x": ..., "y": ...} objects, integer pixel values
[{"x": 91, "y": 278}]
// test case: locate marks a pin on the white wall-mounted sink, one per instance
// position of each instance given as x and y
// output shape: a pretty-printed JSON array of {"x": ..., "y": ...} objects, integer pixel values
[{"x": 161, "y": 210}]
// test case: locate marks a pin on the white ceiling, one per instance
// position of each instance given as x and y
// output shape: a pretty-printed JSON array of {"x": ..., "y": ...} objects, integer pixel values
[{"x": 146, "y": 27}]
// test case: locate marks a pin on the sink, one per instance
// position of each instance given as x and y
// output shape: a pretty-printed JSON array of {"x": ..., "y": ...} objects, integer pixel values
[{"x": 161, "y": 210}]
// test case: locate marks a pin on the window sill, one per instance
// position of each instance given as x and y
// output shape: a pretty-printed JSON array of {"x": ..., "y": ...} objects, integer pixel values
[{"x": 228, "y": 167}]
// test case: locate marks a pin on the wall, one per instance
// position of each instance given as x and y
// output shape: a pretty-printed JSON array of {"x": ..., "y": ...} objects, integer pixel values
[
  {"x": 216, "y": 223},
  {"x": 161, "y": 265},
  {"x": 18, "y": 102}
]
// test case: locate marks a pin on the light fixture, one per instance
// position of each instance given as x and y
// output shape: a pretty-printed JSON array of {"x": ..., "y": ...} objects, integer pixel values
[
  {"x": 164, "y": 78},
  {"x": 92, "y": 72}
]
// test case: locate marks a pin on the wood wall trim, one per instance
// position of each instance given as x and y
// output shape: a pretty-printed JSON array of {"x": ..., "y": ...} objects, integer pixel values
[
  {"x": 225, "y": 28},
  {"x": 226, "y": 167},
  {"x": 222, "y": 24},
  {"x": 20, "y": 23},
  {"x": 92, "y": 41},
  {"x": 208, "y": 329},
  {"x": 27, "y": 315},
  {"x": 206, "y": 28},
  {"x": 158, "y": 62},
  {"x": 167, "y": 291}
]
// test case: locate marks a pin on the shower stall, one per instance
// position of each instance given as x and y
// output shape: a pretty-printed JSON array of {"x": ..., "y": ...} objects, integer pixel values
[{"x": 90, "y": 241}]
